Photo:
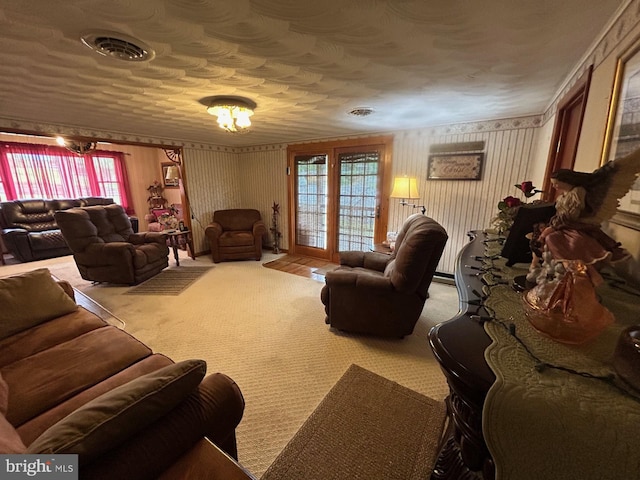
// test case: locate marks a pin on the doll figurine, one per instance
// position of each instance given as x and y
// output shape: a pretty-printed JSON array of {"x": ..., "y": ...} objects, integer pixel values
[{"x": 585, "y": 201}]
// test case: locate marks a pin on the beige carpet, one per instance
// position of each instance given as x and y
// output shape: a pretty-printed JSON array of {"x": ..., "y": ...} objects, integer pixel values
[
  {"x": 266, "y": 330},
  {"x": 366, "y": 427}
]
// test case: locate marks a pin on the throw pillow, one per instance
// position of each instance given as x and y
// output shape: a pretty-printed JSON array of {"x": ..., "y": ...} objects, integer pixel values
[
  {"x": 110, "y": 419},
  {"x": 30, "y": 299}
]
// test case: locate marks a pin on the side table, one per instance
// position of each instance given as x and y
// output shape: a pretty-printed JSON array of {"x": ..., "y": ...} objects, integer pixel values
[
  {"x": 382, "y": 248},
  {"x": 176, "y": 239}
]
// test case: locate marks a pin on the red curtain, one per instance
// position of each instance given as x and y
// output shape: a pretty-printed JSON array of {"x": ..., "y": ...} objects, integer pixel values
[{"x": 44, "y": 171}]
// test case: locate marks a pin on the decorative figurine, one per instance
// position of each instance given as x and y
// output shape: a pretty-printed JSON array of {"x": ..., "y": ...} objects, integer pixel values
[
  {"x": 274, "y": 227},
  {"x": 586, "y": 200}
]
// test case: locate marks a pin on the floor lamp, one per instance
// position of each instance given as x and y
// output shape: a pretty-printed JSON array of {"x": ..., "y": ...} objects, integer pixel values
[{"x": 406, "y": 188}]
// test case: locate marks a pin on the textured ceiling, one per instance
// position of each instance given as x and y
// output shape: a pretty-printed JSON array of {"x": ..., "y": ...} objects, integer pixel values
[{"x": 305, "y": 63}]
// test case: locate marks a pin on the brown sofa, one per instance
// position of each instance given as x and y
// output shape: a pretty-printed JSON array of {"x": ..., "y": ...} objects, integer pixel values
[
  {"x": 381, "y": 294},
  {"x": 105, "y": 248},
  {"x": 236, "y": 234},
  {"x": 30, "y": 231},
  {"x": 71, "y": 383}
]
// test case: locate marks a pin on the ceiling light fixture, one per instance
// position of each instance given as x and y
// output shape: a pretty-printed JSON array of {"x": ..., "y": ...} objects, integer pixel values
[
  {"x": 232, "y": 113},
  {"x": 77, "y": 148}
]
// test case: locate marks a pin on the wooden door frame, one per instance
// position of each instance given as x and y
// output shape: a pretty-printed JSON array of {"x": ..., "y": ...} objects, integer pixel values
[
  {"x": 577, "y": 94},
  {"x": 329, "y": 148}
]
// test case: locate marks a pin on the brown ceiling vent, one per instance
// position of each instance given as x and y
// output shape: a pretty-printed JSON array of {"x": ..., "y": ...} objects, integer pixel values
[
  {"x": 361, "y": 111},
  {"x": 118, "y": 45}
]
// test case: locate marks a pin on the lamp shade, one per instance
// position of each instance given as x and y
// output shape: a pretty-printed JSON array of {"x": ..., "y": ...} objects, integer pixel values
[
  {"x": 172, "y": 173},
  {"x": 405, "y": 187}
]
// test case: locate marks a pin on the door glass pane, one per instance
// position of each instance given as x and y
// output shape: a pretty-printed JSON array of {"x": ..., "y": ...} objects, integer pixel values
[
  {"x": 358, "y": 200},
  {"x": 311, "y": 200}
]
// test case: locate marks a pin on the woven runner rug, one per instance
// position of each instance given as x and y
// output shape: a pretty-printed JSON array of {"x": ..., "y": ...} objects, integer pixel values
[
  {"x": 171, "y": 281},
  {"x": 367, "y": 427}
]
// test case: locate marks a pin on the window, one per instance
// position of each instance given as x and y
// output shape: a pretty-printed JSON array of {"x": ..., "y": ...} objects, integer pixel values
[{"x": 43, "y": 171}]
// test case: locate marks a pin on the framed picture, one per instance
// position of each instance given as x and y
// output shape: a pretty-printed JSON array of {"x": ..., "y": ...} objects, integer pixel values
[
  {"x": 455, "y": 166},
  {"x": 175, "y": 183},
  {"x": 623, "y": 128}
]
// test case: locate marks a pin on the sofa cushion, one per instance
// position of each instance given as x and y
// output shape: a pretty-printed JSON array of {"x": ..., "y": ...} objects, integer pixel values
[
  {"x": 19, "y": 310},
  {"x": 236, "y": 239},
  {"x": 32, "y": 429},
  {"x": 107, "y": 421},
  {"x": 30, "y": 215},
  {"x": 52, "y": 376},
  {"x": 48, "y": 334}
]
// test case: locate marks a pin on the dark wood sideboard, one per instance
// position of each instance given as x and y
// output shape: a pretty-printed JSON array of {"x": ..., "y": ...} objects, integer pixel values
[{"x": 459, "y": 346}]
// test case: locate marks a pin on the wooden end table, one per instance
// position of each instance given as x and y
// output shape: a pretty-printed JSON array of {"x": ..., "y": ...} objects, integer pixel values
[
  {"x": 382, "y": 248},
  {"x": 177, "y": 239}
]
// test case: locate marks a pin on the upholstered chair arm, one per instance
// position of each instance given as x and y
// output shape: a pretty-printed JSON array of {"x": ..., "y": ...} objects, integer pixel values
[
  {"x": 259, "y": 229},
  {"x": 214, "y": 410},
  {"x": 213, "y": 230},
  {"x": 341, "y": 278},
  {"x": 370, "y": 260},
  {"x": 17, "y": 242},
  {"x": 147, "y": 237},
  {"x": 68, "y": 289}
]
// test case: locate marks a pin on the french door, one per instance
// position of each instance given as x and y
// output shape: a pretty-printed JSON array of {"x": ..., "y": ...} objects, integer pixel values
[{"x": 337, "y": 194}]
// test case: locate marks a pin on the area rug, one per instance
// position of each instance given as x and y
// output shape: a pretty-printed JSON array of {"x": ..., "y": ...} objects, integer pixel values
[
  {"x": 366, "y": 427},
  {"x": 169, "y": 282}
]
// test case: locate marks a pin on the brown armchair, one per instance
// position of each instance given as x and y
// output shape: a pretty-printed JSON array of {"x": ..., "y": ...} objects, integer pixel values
[
  {"x": 382, "y": 294},
  {"x": 236, "y": 234},
  {"x": 105, "y": 248}
]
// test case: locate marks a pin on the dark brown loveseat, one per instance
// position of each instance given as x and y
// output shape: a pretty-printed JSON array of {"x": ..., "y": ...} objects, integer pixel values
[
  {"x": 29, "y": 229},
  {"x": 382, "y": 294},
  {"x": 71, "y": 383},
  {"x": 106, "y": 249}
]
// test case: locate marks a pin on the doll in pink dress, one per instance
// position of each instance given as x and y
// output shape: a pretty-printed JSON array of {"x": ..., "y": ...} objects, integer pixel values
[{"x": 585, "y": 201}]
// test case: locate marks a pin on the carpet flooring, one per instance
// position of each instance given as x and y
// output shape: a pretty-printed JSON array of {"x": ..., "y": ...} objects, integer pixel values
[
  {"x": 169, "y": 282},
  {"x": 366, "y": 427},
  {"x": 266, "y": 330}
]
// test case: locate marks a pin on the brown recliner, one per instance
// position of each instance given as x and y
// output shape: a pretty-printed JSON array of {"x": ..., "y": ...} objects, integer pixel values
[
  {"x": 105, "y": 248},
  {"x": 382, "y": 294},
  {"x": 236, "y": 234}
]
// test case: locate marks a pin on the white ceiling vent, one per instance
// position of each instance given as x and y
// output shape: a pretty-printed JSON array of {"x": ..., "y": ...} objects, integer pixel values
[{"x": 118, "y": 45}]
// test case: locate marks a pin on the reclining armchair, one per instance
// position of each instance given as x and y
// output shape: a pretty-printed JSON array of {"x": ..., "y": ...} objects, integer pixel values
[
  {"x": 105, "y": 248},
  {"x": 380, "y": 294},
  {"x": 236, "y": 234}
]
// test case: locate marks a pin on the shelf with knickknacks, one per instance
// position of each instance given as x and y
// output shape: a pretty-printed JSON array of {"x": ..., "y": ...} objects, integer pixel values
[
  {"x": 161, "y": 216},
  {"x": 276, "y": 234}
]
